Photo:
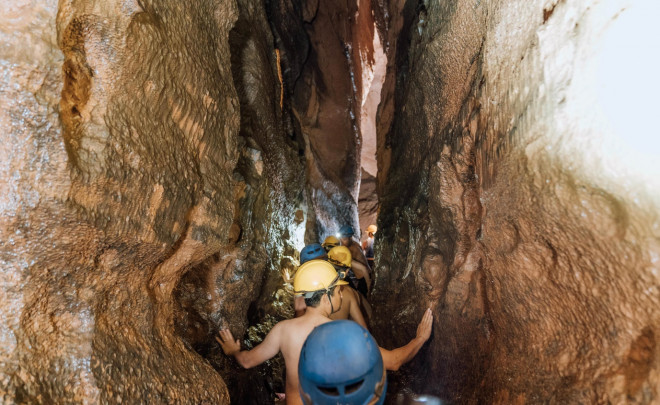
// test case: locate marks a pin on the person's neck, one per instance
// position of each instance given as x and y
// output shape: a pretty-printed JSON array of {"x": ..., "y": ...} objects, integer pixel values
[{"x": 321, "y": 310}]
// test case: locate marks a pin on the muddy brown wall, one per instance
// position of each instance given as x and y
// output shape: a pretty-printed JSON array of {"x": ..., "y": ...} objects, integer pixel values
[
  {"x": 539, "y": 260},
  {"x": 320, "y": 43},
  {"x": 244, "y": 287},
  {"x": 146, "y": 198}
]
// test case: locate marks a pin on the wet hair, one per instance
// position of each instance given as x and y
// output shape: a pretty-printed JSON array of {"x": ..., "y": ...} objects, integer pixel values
[{"x": 315, "y": 299}]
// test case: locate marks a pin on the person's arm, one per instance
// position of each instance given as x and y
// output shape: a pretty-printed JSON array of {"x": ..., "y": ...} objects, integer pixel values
[
  {"x": 355, "y": 313},
  {"x": 361, "y": 271},
  {"x": 393, "y": 359},
  {"x": 249, "y": 358},
  {"x": 358, "y": 255}
]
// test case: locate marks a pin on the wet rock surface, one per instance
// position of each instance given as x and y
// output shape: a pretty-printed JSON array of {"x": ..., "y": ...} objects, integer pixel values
[
  {"x": 162, "y": 162},
  {"x": 123, "y": 177},
  {"x": 367, "y": 202},
  {"x": 155, "y": 190},
  {"x": 541, "y": 267},
  {"x": 322, "y": 44},
  {"x": 244, "y": 288}
]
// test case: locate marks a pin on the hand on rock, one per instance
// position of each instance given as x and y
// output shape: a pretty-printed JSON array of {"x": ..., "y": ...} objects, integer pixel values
[
  {"x": 425, "y": 326},
  {"x": 227, "y": 342}
]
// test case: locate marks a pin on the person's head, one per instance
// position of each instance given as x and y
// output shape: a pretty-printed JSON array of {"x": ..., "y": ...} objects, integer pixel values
[
  {"x": 346, "y": 232},
  {"x": 316, "y": 297},
  {"x": 317, "y": 281},
  {"x": 340, "y": 257},
  {"x": 330, "y": 242},
  {"x": 348, "y": 373},
  {"x": 371, "y": 230},
  {"x": 312, "y": 252}
]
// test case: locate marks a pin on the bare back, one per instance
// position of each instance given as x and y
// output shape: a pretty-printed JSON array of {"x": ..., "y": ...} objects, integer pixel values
[
  {"x": 294, "y": 332},
  {"x": 356, "y": 253},
  {"x": 350, "y": 307}
]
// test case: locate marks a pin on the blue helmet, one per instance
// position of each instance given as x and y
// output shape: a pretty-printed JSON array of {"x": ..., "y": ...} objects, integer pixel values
[
  {"x": 340, "y": 363},
  {"x": 311, "y": 252},
  {"x": 346, "y": 230}
]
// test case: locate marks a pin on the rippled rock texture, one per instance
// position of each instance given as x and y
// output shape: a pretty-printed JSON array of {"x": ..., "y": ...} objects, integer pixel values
[
  {"x": 540, "y": 264},
  {"x": 243, "y": 287},
  {"x": 322, "y": 44},
  {"x": 143, "y": 204}
]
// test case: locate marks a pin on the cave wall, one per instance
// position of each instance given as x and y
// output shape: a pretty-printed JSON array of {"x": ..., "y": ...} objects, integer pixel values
[
  {"x": 537, "y": 253},
  {"x": 129, "y": 183},
  {"x": 322, "y": 44},
  {"x": 244, "y": 287}
]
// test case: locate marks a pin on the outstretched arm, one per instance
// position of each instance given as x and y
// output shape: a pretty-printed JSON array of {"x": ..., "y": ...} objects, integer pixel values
[
  {"x": 249, "y": 358},
  {"x": 393, "y": 359}
]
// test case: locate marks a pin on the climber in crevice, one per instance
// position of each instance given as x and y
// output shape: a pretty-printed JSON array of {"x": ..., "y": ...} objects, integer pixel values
[
  {"x": 360, "y": 266},
  {"x": 312, "y": 251},
  {"x": 356, "y": 306},
  {"x": 330, "y": 242},
  {"x": 341, "y": 259},
  {"x": 319, "y": 283},
  {"x": 351, "y": 373},
  {"x": 368, "y": 245}
]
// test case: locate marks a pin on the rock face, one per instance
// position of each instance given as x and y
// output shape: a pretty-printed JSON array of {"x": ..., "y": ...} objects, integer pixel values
[
  {"x": 126, "y": 171},
  {"x": 162, "y": 162},
  {"x": 322, "y": 43},
  {"x": 243, "y": 287},
  {"x": 368, "y": 202},
  {"x": 539, "y": 259}
]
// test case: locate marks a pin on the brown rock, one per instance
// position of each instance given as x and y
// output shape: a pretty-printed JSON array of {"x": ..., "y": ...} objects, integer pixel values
[
  {"x": 162, "y": 163},
  {"x": 541, "y": 268},
  {"x": 118, "y": 145},
  {"x": 320, "y": 48}
]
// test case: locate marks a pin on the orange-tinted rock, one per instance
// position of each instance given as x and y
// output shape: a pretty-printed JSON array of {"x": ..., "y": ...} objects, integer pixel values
[
  {"x": 367, "y": 202},
  {"x": 119, "y": 142},
  {"x": 538, "y": 256},
  {"x": 321, "y": 44},
  {"x": 243, "y": 287}
]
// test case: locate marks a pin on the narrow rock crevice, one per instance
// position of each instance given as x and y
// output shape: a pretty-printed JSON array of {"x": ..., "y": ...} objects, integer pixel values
[{"x": 163, "y": 162}]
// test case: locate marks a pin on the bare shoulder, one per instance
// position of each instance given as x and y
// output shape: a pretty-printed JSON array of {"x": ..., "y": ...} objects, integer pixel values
[
  {"x": 350, "y": 294},
  {"x": 285, "y": 327},
  {"x": 289, "y": 326}
]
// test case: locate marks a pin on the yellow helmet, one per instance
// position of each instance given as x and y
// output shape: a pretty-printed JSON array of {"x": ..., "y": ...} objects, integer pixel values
[
  {"x": 340, "y": 256},
  {"x": 372, "y": 228},
  {"x": 313, "y": 276},
  {"x": 330, "y": 242}
]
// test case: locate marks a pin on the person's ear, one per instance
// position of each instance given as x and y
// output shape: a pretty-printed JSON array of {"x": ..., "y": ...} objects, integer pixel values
[{"x": 326, "y": 298}]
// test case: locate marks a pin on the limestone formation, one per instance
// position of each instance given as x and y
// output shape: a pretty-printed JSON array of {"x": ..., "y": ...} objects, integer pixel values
[
  {"x": 119, "y": 123},
  {"x": 244, "y": 288},
  {"x": 539, "y": 261},
  {"x": 322, "y": 43},
  {"x": 162, "y": 162}
]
